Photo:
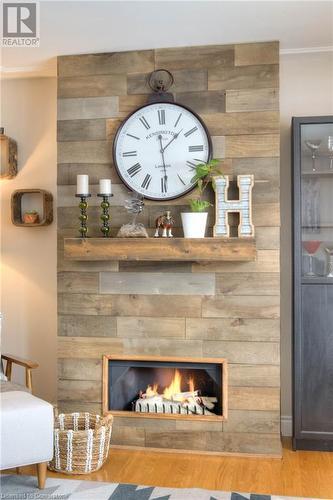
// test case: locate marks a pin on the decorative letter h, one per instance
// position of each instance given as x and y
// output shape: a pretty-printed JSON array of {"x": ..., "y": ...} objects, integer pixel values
[{"x": 224, "y": 206}]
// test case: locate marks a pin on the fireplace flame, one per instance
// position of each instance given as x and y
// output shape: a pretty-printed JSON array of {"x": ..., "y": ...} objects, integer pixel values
[{"x": 174, "y": 391}]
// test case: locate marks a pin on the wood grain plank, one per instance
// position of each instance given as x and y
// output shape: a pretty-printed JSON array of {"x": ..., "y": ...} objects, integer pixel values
[
  {"x": 131, "y": 436},
  {"x": 253, "y": 375},
  {"x": 157, "y": 283},
  {"x": 76, "y": 265},
  {"x": 78, "y": 282},
  {"x": 79, "y": 406},
  {"x": 81, "y": 130},
  {"x": 259, "y": 122},
  {"x": 88, "y": 348},
  {"x": 256, "y": 353},
  {"x": 241, "y": 307},
  {"x": 252, "y": 145},
  {"x": 235, "y": 329},
  {"x": 128, "y": 103},
  {"x": 84, "y": 152},
  {"x": 67, "y": 173},
  {"x": 92, "y": 86},
  {"x": 245, "y": 77},
  {"x": 125, "y": 305},
  {"x": 132, "y": 327},
  {"x": 112, "y": 125},
  {"x": 111, "y": 63},
  {"x": 87, "y": 108},
  {"x": 268, "y": 261},
  {"x": 248, "y": 284},
  {"x": 241, "y": 442},
  {"x": 163, "y": 347},
  {"x": 160, "y": 249},
  {"x": 80, "y": 369},
  {"x": 254, "y": 398},
  {"x": 252, "y": 100},
  {"x": 197, "y": 57},
  {"x": 204, "y": 101},
  {"x": 268, "y": 238},
  {"x": 80, "y": 390},
  {"x": 261, "y": 422},
  {"x": 185, "y": 81},
  {"x": 87, "y": 326},
  {"x": 257, "y": 53}
]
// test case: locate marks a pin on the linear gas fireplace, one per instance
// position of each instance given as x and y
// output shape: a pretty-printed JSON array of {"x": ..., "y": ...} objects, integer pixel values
[{"x": 160, "y": 387}]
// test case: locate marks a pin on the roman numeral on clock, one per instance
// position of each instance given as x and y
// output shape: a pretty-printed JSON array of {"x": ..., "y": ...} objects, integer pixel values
[
  {"x": 181, "y": 180},
  {"x": 161, "y": 116},
  {"x": 134, "y": 169},
  {"x": 177, "y": 121},
  {"x": 144, "y": 122},
  {"x": 146, "y": 181},
  {"x": 164, "y": 185},
  {"x": 130, "y": 153},
  {"x": 191, "y": 164},
  {"x": 189, "y": 132},
  {"x": 193, "y": 149}
]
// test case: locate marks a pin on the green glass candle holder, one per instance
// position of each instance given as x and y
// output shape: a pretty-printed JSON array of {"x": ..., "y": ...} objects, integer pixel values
[
  {"x": 83, "y": 217},
  {"x": 105, "y": 215}
]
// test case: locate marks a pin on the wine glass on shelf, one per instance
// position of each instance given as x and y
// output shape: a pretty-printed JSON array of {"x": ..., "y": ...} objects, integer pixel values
[
  {"x": 329, "y": 253},
  {"x": 313, "y": 145},
  {"x": 330, "y": 148},
  {"x": 311, "y": 247}
]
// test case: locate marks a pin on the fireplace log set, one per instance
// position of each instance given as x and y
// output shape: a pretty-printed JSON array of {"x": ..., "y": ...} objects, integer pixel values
[{"x": 183, "y": 403}]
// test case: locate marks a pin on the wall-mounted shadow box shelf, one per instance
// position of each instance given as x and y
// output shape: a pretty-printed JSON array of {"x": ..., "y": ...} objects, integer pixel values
[
  {"x": 161, "y": 249},
  {"x": 47, "y": 207}
]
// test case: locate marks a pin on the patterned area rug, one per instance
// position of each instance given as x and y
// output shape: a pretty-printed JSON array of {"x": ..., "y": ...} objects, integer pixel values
[{"x": 24, "y": 487}]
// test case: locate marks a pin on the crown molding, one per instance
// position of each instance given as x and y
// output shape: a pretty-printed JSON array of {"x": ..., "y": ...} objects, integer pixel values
[{"x": 306, "y": 50}]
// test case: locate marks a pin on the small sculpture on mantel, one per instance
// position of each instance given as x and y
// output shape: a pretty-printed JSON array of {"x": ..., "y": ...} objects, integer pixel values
[
  {"x": 166, "y": 223},
  {"x": 133, "y": 229}
]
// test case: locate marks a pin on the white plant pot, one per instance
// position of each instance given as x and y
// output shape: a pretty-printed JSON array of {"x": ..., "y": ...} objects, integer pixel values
[{"x": 194, "y": 224}]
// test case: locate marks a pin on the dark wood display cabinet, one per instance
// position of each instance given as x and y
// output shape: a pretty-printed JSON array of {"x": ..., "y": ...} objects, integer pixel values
[{"x": 313, "y": 283}]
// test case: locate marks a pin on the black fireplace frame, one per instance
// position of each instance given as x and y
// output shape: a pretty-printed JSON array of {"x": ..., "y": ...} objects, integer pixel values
[{"x": 216, "y": 361}]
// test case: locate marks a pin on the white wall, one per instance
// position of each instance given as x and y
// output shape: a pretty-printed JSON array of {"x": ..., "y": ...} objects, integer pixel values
[
  {"x": 306, "y": 83},
  {"x": 29, "y": 255},
  {"x": 28, "y": 271}
]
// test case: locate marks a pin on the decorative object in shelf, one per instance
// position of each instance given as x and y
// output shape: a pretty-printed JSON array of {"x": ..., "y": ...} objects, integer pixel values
[
  {"x": 313, "y": 145},
  {"x": 105, "y": 192},
  {"x": 330, "y": 149},
  {"x": 8, "y": 156},
  {"x": 82, "y": 192},
  {"x": 224, "y": 206},
  {"x": 311, "y": 247},
  {"x": 165, "y": 223},
  {"x": 195, "y": 222},
  {"x": 133, "y": 229},
  {"x": 31, "y": 217},
  {"x": 329, "y": 253},
  {"x": 18, "y": 216}
]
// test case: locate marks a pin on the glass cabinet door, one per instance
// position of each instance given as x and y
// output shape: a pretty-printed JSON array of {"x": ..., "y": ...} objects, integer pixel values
[{"x": 316, "y": 163}]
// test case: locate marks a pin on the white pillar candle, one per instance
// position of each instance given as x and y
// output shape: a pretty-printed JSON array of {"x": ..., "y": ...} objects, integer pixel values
[
  {"x": 82, "y": 184},
  {"x": 105, "y": 187}
]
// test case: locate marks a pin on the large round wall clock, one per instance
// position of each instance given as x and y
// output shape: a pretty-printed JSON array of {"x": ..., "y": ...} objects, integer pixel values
[{"x": 157, "y": 148}]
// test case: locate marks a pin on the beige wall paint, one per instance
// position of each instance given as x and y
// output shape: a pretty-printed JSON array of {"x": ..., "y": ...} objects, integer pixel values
[
  {"x": 306, "y": 86},
  {"x": 28, "y": 271},
  {"x": 29, "y": 255}
]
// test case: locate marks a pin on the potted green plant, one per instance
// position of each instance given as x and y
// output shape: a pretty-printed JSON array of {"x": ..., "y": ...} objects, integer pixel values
[
  {"x": 194, "y": 222},
  {"x": 31, "y": 217}
]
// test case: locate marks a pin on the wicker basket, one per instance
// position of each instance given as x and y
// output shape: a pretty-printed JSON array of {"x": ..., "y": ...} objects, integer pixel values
[{"x": 81, "y": 442}]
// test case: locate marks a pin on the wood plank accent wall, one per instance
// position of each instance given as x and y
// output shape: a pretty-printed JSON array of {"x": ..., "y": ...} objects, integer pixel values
[{"x": 225, "y": 309}]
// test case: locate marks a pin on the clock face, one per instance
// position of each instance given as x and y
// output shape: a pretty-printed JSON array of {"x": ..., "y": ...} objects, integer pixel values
[{"x": 157, "y": 148}]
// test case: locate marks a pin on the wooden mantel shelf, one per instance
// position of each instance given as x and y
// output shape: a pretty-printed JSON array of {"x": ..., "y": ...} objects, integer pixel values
[{"x": 160, "y": 249}]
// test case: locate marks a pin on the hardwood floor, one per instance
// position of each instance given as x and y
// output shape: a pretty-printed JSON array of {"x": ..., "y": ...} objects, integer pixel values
[{"x": 301, "y": 473}]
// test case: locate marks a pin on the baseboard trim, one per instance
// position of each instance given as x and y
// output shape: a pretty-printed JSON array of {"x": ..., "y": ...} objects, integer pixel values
[
  {"x": 198, "y": 452},
  {"x": 286, "y": 425}
]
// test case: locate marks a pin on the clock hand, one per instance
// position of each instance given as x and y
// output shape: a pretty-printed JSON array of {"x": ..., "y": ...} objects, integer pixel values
[
  {"x": 163, "y": 161},
  {"x": 174, "y": 137}
]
